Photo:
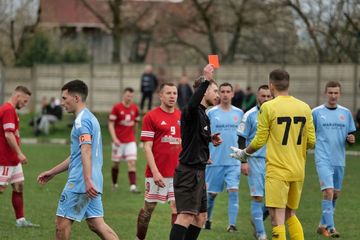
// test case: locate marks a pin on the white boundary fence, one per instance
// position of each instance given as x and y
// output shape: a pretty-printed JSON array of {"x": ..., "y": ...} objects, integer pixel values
[{"x": 107, "y": 81}]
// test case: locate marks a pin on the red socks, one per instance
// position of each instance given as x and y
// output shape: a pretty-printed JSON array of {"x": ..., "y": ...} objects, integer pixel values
[
  {"x": 114, "y": 175},
  {"x": 132, "y": 177},
  {"x": 18, "y": 204}
]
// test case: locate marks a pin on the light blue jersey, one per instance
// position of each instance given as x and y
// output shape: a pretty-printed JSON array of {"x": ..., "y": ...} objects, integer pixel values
[
  {"x": 225, "y": 123},
  {"x": 332, "y": 127},
  {"x": 85, "y": 123},
  {"x": 247, "y": 130}
]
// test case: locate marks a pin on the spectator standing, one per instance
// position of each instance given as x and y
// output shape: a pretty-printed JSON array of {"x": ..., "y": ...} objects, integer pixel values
[
  {"x": 238, "y": 98},
  {"x": 149, "y": 83},
  {"x": 249, "y": 100},
  {"x": 184, "y": 92}
]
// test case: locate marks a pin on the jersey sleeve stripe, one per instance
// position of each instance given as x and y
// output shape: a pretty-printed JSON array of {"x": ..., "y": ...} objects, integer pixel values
[
  {"x": 9, "y": 126},
  {"x": 112, "y": 117},
  {"x": 144, "y": 134}
]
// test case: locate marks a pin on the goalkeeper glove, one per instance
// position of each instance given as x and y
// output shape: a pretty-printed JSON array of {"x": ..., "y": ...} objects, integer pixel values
[{"x": 239, "y": 154}]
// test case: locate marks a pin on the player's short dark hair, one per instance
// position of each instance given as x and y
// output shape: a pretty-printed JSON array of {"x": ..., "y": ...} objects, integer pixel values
[
  {"x": 264, "y": 86},
  {"x": 128, "y": 89},
  {"x": 170, "y": 84},
  {"x": 280, "y": 78},
  {"x": 23, "y": 89},
  {"x": 332, "y": 84},
  {"x": 200, "y": 80},
  {"x": 226, "y": 84},
  {"x": 76, "y": 86}
]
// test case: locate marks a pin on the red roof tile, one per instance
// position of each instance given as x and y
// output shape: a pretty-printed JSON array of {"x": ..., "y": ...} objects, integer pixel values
[{"x": 71, "y": 12}]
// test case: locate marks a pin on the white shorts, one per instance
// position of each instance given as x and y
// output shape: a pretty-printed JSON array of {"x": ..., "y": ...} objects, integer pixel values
[
  {"x": 125, "y": 151},
  {"x": 11, "y": 174},
  {"x": 154, "y": 193}
]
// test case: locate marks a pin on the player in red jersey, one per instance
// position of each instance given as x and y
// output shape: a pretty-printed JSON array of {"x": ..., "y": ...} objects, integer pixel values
[
  {"x": 162, "y": 145},
  {"x": 11, "y": 157},
  {"x": 122, "y": 127}
]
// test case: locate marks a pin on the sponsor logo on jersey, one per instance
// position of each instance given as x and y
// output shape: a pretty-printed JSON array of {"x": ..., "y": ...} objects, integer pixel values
[
  {"x": 170, "y": 139},
  {"x": 242, "y": 127},
  {"x": 206, "y": 128},
  {"x": 127, "y": 123},
  {"x": 163, "y": 123},
  {"x": 342, "y": 117}
]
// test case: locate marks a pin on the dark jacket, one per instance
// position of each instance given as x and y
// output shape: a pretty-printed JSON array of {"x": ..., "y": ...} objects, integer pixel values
[
  {"x": 149, "y": 82},
  {"x": 195, "y": 131}
]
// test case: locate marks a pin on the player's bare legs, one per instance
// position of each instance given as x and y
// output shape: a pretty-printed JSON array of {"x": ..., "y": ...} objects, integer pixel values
[
  {"x": 173, "y": 212},
  {"x": 200, "y": 219},
  {"x": 132, "y": 175},
  {"x": 184, "y": 219},
  {"x": 278, "y": 217},
  {"x": 144, "y": 219},
  {"x": 98, "y": 226},
  {"x": 63, "y": 228},
  {"x": 192, "y": 223}
]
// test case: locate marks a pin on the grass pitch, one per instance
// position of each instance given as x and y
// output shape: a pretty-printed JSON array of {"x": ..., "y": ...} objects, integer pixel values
[{"x": 121, "y": 207}]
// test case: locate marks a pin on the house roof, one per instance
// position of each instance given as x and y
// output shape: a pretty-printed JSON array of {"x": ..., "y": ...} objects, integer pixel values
[{"x": 72, "y": 13}]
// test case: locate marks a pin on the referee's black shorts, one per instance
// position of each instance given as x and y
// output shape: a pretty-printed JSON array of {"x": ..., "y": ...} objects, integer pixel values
[{"x": 190, "y": 190}]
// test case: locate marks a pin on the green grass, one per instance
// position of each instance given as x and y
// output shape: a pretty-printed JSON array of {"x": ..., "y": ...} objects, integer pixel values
[{"x": 121, "y": 207}]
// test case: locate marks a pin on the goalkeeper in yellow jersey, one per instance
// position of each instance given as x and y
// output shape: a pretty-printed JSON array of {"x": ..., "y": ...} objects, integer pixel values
[{"x": 285, "y": 125}]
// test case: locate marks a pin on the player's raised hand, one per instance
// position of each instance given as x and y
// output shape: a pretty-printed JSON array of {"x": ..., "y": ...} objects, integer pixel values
[
  {"x": 216, "y": 139},
  {"x": 208, "y": 72},
  {"x": 239, "y": 154},
  {"x": 44, "y": 177},
  {"x": 90, "y": 189}
]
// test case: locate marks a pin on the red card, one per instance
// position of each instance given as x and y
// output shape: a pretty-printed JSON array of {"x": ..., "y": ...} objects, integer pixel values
[{"x": 214, "y": 60}]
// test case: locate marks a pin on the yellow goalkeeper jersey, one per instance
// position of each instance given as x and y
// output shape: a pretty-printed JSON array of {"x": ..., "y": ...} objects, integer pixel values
[{"x": 285, "y": 125}]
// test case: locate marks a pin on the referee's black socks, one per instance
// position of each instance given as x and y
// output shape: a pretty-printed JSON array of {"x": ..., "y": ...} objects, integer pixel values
[
  {"x": 192, "y": 232},
  {"x": 178, "y": 232}
]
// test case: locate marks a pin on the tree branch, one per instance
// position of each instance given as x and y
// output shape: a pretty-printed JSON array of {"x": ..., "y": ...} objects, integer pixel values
[{"x": 97, "y": 15}]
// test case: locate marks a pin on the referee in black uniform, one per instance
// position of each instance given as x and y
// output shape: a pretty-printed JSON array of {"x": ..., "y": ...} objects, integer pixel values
[{"x": 189, "y": 177}]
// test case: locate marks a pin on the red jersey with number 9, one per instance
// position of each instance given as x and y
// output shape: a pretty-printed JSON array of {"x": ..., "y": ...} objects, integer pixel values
[
  {"x": 9, "y": 122},
  {"x": 163, "y": 129}
]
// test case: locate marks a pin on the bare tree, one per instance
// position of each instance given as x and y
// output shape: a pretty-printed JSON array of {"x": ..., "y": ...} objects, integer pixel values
[
  {"x": 122, "y": 20},
  {"x": 332, "y": 26},
  {"x": 17, "y": 24},
  {"x": 215, "y": 26}
]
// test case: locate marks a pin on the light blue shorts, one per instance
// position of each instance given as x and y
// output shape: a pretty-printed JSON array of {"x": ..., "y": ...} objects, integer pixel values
[
  {"x": 78, "y": 206},
  {"x": 330, "y": 176},
  {"x": 256, "y": 177},
  {"x": 219, "y": 176}
]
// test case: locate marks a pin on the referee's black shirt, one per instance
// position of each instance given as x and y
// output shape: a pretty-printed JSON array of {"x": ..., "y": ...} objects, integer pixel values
[{"x": 195, "y": 131}]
